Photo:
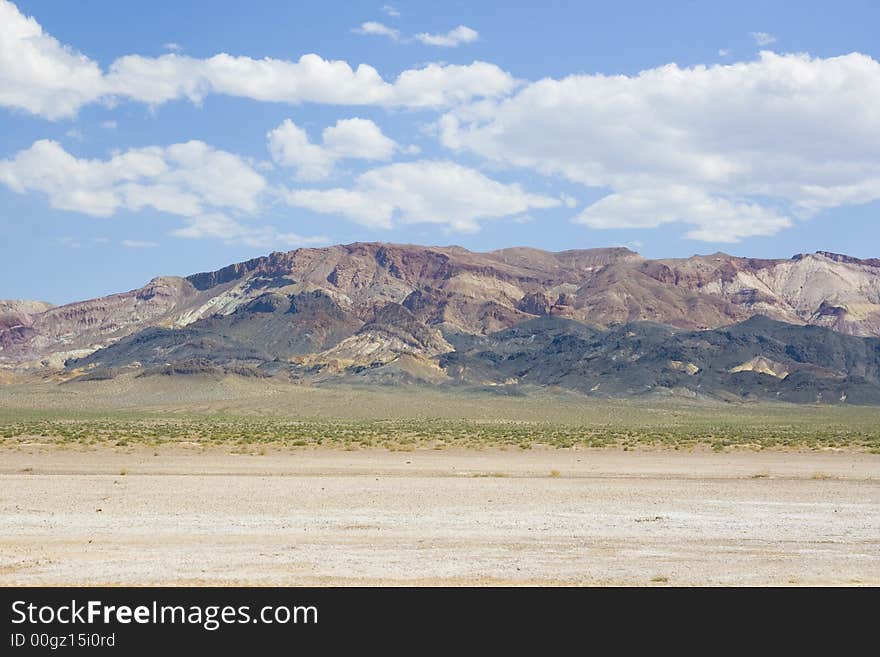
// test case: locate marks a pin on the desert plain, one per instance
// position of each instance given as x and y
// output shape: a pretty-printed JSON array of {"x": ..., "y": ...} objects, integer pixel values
[{"x": 237, "y": 482}]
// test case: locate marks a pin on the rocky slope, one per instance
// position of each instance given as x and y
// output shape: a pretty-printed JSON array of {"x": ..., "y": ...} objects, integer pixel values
[
  {"x": 756, "y": 359},
  {"x": 19, "y": 315},
  {"x": 325, "y": 311}
]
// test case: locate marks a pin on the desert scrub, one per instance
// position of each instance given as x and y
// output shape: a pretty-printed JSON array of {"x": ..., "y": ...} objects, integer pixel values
[{"x": 716, "y": 428}]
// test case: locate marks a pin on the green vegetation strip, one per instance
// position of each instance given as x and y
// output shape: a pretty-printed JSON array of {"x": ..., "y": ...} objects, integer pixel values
[{"x": 642, "y": 427}]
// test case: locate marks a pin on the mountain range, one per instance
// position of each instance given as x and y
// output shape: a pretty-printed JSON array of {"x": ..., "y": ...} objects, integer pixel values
[{"x": 598, "y": 321}]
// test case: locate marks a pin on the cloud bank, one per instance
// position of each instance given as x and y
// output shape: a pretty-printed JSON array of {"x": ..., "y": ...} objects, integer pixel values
[
  {"x": 729, "y": 151},
  {"x": 41, "y": 76},
  {"x": 190, "y": 179},
  {"x": 734, "y": 150}
]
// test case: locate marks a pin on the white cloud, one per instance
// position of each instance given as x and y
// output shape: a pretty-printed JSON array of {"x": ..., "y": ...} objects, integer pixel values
[
  {"x": 310, "y": 79},
  {"x": 43, "y": 77},
  {"x": 181, "y": 179},
  {"x": 717, "y": 219},
  {"x": 220, "y": 226},
  {"x": 40, "y": 75},
  {"x": 354, "y": 138},
  {"x": 724, "y": 52},
  {"x": 732, "y": 150},
  {"x": 358, "y": 138},
  {"x": 172, "y": 47},
  {"x": 437, "y": 192},
  {"x": 439, "y": 85},
  {"x": 763, "y": 38},
  {"x": 390, "y": 11},
  {"x": 378, "y": 29},
  {"x": 452, "y": 39},
  {"x": 190, "y": 179},
  {"x": 219, "y": 178},
  {"x": 138, "y": 244},
  {"x": 289, "y": 146}
]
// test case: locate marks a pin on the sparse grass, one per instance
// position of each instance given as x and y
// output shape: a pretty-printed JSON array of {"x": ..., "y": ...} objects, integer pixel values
[
  {"x": 553, "y": 424},
  {"x": 660, "y": 579},
  {"x": 555, "y": 474}
]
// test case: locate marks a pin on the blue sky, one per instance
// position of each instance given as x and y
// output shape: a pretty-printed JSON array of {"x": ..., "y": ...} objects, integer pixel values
[{"x": 151, "y": 138}]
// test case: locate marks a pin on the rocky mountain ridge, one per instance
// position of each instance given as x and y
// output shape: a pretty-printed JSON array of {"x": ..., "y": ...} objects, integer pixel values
[{"x": 406, "y": 308}]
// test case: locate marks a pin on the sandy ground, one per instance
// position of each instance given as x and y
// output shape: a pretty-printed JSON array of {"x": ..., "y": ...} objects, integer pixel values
[{"x": 180, "y": 516}]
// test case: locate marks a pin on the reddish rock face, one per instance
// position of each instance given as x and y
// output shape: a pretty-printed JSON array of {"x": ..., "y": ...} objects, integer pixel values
[{"x": 455, "y": 290}]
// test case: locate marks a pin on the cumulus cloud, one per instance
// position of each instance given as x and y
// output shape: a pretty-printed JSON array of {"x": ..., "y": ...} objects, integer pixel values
[
  {"x": 438, "y": 85},
  {"x": 41, "y": 76},
  {"x": 172, "y": 47},
  {"x": 220, "y": 226},
  {"x": 358, "y": 138},
  {"x": 717, "y": 219},
  {"x": 378, "y": 29},
  {"x": 436, "y": 192},
  {"x": 354, "y": 138},
  {"x": 452, "y": 39},
  {"x": 182, "y": 179},
  {"x": 763, "y": 38},
  {"x": 390, "y": 11},
  {"x": 191, "y": 179},
  {"x": 730, "y": 151},
  {"x": 156, "y": 80},
  {"x": 733, "y": 150}
]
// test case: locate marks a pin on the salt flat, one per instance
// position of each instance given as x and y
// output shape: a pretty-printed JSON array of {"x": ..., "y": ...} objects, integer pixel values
[{"x": 174, "y": 515}]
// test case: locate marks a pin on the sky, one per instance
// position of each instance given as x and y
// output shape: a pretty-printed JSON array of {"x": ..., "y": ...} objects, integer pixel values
[{"x": 140, "y": 139}]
